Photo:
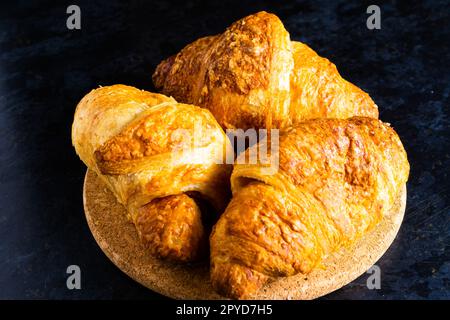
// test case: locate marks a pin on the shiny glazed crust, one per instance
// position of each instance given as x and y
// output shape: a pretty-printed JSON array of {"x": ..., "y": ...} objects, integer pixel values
[
  {"x": 254, "y": 76},
  {"x": 336, "y": 180}
]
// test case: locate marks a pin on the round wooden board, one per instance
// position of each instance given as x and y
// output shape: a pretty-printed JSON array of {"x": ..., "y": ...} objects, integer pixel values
[{"x": 118, "y": 239}]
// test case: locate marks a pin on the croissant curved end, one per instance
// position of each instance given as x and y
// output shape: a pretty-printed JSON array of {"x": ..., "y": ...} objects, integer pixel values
[{"x": 236, "y": 281}]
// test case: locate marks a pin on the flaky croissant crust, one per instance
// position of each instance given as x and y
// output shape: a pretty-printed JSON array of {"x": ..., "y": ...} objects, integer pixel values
[
  {"x": 254, "y": 76},
  {"x": 129, "y": 138},
  {"x": 336, "y": 180}
]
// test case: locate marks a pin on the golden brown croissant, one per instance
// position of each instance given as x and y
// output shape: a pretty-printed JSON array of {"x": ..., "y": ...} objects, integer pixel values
[
  {"x": 336, "y": 180},
  {"x": 134, "y": 140},
  {"x": 254, "y": 76}
]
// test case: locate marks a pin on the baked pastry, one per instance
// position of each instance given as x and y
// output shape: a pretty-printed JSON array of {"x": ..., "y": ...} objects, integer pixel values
[
  {"x": 160, "y": 158},
  {"x": 336, "y": 180},
  {"x": 254, "y": 76}
]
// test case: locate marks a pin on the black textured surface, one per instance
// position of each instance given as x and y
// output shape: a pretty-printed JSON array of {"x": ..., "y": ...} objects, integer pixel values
[{"x": 45, "y": 69}]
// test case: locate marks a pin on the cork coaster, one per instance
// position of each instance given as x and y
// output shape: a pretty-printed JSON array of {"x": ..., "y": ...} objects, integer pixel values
[{"x": 118, "y": 239}]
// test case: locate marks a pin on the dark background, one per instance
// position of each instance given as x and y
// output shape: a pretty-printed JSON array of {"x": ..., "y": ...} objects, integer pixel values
[{"x": 45, "y": 69}]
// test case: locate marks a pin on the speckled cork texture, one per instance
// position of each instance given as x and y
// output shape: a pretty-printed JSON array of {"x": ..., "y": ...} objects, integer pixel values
[{"x": 118, "y": 239}]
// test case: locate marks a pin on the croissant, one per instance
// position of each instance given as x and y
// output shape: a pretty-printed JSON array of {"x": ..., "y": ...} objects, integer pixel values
[
  {"x": 254, "y": 76},
  {"x": 134, "y": 140},
  {"x": 336, "y": 179}
]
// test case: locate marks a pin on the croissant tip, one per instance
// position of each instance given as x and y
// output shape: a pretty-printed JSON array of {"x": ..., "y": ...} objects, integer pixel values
[
  {"x": 162, "y": 71},
  {"x": 236, "y": 281}
]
